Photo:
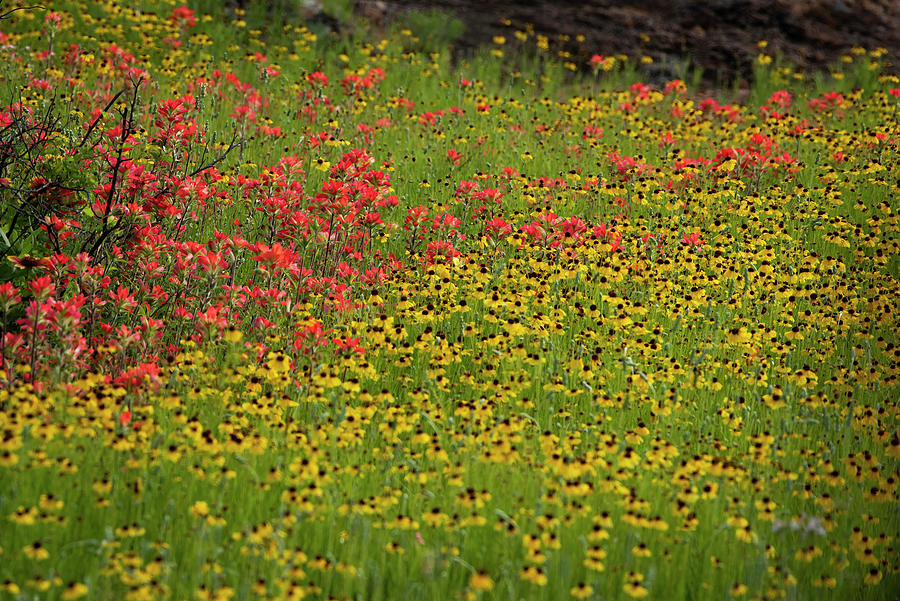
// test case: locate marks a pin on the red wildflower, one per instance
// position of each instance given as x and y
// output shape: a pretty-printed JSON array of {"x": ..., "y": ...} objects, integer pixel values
[
  {"x": 347, "y": 346},
  {"x": 41, "y": 287},
  {"x": 183, "y": 16},
  {"x": 497, "y": 228},
  {"x": 692, "y": 240}
]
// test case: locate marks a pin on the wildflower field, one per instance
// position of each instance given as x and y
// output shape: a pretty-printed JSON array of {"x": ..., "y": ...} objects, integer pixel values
[{"x": 289, "y": 314}]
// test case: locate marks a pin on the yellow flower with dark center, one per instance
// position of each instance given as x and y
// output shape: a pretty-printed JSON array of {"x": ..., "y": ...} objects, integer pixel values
[
  {"x": 641, "y": 550},
  {"x": 825, "y": 581},
  {"x": 23, "y": 516},
  {"x": 738, "y": 590},
  {"x": 534, "y": 575},
  {"x": 480, "y": 581},
  {"x": 635, "y": 590},
  {"x": 873, "y": 577},
  {"x": 36, "y": 551},
  {"x": 738, "y": 335},
  {"x": 74, "y": 590},
  {"x": 581, "y": 591},
  {"x": 50, "y": 503}
]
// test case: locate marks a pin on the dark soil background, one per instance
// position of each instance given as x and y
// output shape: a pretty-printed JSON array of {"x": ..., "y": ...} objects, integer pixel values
[{"x": 719, "y": 36}]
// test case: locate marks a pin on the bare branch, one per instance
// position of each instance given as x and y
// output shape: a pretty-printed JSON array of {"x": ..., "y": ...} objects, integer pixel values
[
  {"x": 127, "y": 130},
  {"x": 235, "y": 142},
  {"x": 7, "y": 14},
  {"x": 100, "y": 116}
]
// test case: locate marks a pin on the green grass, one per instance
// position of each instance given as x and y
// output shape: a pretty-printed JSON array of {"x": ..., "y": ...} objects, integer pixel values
[{"x": 692, "y": 397}]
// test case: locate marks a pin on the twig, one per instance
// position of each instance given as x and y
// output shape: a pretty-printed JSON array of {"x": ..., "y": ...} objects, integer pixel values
[
  {"x": 235, "y": 142},
  {"x": 127, "y": 126},
  {"x": 7, "y": 14},
  {"x": 100, "y": 116}
]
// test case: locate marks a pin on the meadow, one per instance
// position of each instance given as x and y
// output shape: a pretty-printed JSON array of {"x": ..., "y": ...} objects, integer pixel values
[{"x": 290, "y": 314}]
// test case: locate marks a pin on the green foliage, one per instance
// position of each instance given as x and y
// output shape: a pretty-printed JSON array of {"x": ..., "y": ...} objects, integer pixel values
[{"x": 432, "y": 30}]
